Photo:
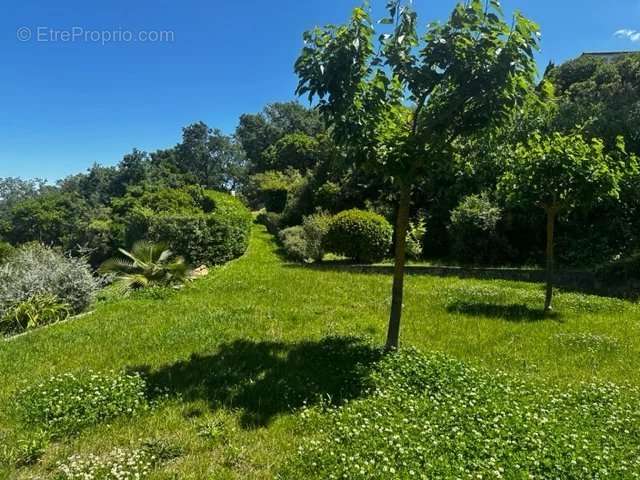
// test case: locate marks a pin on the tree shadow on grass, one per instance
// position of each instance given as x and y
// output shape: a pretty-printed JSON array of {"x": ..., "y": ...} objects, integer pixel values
[
  {"x": 265, "y": 379},
  {"x": 511, "y": 313}
]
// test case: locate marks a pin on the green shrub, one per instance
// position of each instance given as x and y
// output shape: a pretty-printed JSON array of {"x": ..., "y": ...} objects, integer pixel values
[
  {"x": 37, "y": 311},
  {"x": 204, "y": 240},
  {"x": 294, "y": 243},
  {"x": 53, "y": 217},
  {"x": 316, "y": 227},
  {"x": 36, "y": 270},
  {"x": 327, "y": 196},
  {"x": 273, "y": 188},
  {"x": 429, "y": 416},
  {"x": 474, "y": 230},
  {"x": 6, "y": 250},
  {"x": 65, "y": 404},
  {"x": 299, "y": 202},
  {"x": 360, "y": 235},
  {"x": 271, "y": 220},
  {"x": 204, "y": 226}
]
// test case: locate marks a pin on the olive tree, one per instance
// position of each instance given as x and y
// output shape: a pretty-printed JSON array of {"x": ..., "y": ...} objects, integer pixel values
[
  {"x": 396, "y": 99},
  {"x": 559, "y": 173}
]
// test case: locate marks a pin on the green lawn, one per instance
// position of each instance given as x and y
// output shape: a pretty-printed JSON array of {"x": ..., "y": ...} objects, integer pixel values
[{"x": 241, "y": 349}]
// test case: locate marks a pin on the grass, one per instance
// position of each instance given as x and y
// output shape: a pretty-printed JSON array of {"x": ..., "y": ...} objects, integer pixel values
[{"x": 241, "y": 350}]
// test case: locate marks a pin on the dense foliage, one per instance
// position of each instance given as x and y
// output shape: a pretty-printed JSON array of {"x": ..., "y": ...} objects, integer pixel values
[
  {"x": 362, "y": 236},
  {"x": 600, "y": 95},
  {"x": 294, "y": 243},
  {"x": 36, "y": 311},
  {"x": 316, "y": 227},
  {"x": 36, "y": 270},
  {"x": 95, "y": 213},
  {"x": 215, "y": 235},
  {"x": 6, "y": 250},
  {"x": 474, "y": 229},
  {"x": 559, "y": 173},
  {"x": 204, "y": 226},
  {"x": 302, "y": 243}
]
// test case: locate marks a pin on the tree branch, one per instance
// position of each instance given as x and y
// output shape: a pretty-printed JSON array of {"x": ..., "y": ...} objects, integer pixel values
[{"x": 420, "y": 105}]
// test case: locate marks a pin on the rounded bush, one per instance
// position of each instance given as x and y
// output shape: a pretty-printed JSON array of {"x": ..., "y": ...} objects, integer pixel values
[
  {"x": 219, "y": 232},
  {"x": 360, "y": 235},
  {"x": 35, "y": 270},
  {"x": 294, "y": 243}
]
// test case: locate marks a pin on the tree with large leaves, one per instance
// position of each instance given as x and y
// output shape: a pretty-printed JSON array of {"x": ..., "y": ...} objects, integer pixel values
[
  {"x": 559, "y": 173},
  {"x": 397, "y": 105}
]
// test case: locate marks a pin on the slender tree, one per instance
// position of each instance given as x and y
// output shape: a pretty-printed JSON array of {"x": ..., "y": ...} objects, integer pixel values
[
  {"x": 396, "y": 105},
  {"x": 559, "y": 173}
]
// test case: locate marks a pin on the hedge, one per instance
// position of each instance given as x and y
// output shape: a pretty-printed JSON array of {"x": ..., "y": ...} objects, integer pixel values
[{"x": 212, "y": 230}]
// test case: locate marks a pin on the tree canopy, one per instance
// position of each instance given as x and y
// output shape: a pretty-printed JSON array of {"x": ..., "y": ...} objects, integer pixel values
[
  {"x": 397, "y": 108},
  {"x": 600, "y": 96}
]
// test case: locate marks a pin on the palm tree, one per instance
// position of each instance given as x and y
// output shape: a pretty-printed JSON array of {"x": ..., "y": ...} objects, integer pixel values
[{"x": 147, "y": 264}]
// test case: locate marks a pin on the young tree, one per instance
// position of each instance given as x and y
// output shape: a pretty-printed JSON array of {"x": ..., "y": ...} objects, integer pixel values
[
  {"x": 396, "y": 109},
  {"x": 558, "y": 173}
]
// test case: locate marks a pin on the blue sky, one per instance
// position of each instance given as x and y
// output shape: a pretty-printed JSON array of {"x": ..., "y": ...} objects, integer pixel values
[{"x": 69, "y": 103}]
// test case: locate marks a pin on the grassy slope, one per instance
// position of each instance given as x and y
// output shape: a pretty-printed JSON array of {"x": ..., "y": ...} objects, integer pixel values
[{"x": 272, "y": 306}]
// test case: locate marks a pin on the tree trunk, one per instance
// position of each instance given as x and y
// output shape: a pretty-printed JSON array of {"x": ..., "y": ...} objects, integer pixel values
[
  {"x": 402, "y": 225},
  {"x": 551, "y": 222}
]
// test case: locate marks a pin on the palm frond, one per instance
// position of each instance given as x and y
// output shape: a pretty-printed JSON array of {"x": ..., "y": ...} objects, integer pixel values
[
  {"x": 132, "y": 255},
  {"x": 164, "y": 256},
  {"x": 147, "y": 264},
  {"x": 116, "y": 265},
  {"x": 148, "y": 251}
]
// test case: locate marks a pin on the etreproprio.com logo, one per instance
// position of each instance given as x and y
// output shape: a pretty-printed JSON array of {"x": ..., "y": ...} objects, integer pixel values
[{"x": 79, "y": 34}]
